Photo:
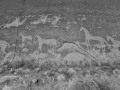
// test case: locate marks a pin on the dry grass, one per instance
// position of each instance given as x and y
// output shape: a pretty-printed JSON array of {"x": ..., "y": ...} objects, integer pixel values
[{"x": 85, "y": 75}]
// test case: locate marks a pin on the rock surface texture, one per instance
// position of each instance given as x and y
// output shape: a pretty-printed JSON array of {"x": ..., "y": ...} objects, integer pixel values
[{"x": 59, "y": 44}]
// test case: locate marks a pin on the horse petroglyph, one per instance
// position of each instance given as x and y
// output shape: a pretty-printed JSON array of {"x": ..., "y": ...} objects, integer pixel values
[{"x": 89, "y": 37}]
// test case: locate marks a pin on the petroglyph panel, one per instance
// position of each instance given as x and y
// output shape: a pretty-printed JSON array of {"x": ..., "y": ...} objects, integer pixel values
[{"x": 59, "y": 44}]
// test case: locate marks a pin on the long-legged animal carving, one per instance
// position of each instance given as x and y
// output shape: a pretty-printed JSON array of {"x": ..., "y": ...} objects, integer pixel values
[
  {"x": 4, "y": 45},
  {"x": 89, "y": 37},
  {"x": 115, "y": 43}
]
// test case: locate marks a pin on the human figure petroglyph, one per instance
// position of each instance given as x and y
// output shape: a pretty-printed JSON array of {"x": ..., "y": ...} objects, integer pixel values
[
  {"x": 15, "y": 23},
  {"x": 3, "y": 46},
  {"x": 89, "y": 37},
  {"x": 40, "y": 42}
]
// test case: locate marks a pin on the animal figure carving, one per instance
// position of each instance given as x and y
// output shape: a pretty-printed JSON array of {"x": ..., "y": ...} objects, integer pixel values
[
  {"x": 15, "y": 23},
  {"x": 115, "y": 43},
  {"x": 51, "y": 42},
  {"x": 3, "y": 46},
  {"x": 25, "y": 37},
  {"x": 89, "y": 37}
]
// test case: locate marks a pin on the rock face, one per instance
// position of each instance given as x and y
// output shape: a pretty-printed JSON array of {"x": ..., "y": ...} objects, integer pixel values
[
  {"x": 45, "y": 34},
  {"x": 42, "y": 26}
]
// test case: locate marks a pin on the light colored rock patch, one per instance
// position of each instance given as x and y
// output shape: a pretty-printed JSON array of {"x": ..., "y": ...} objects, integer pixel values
[
  {"x": 15, "y": 23},
  {"x": 73, "y": 58}
]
